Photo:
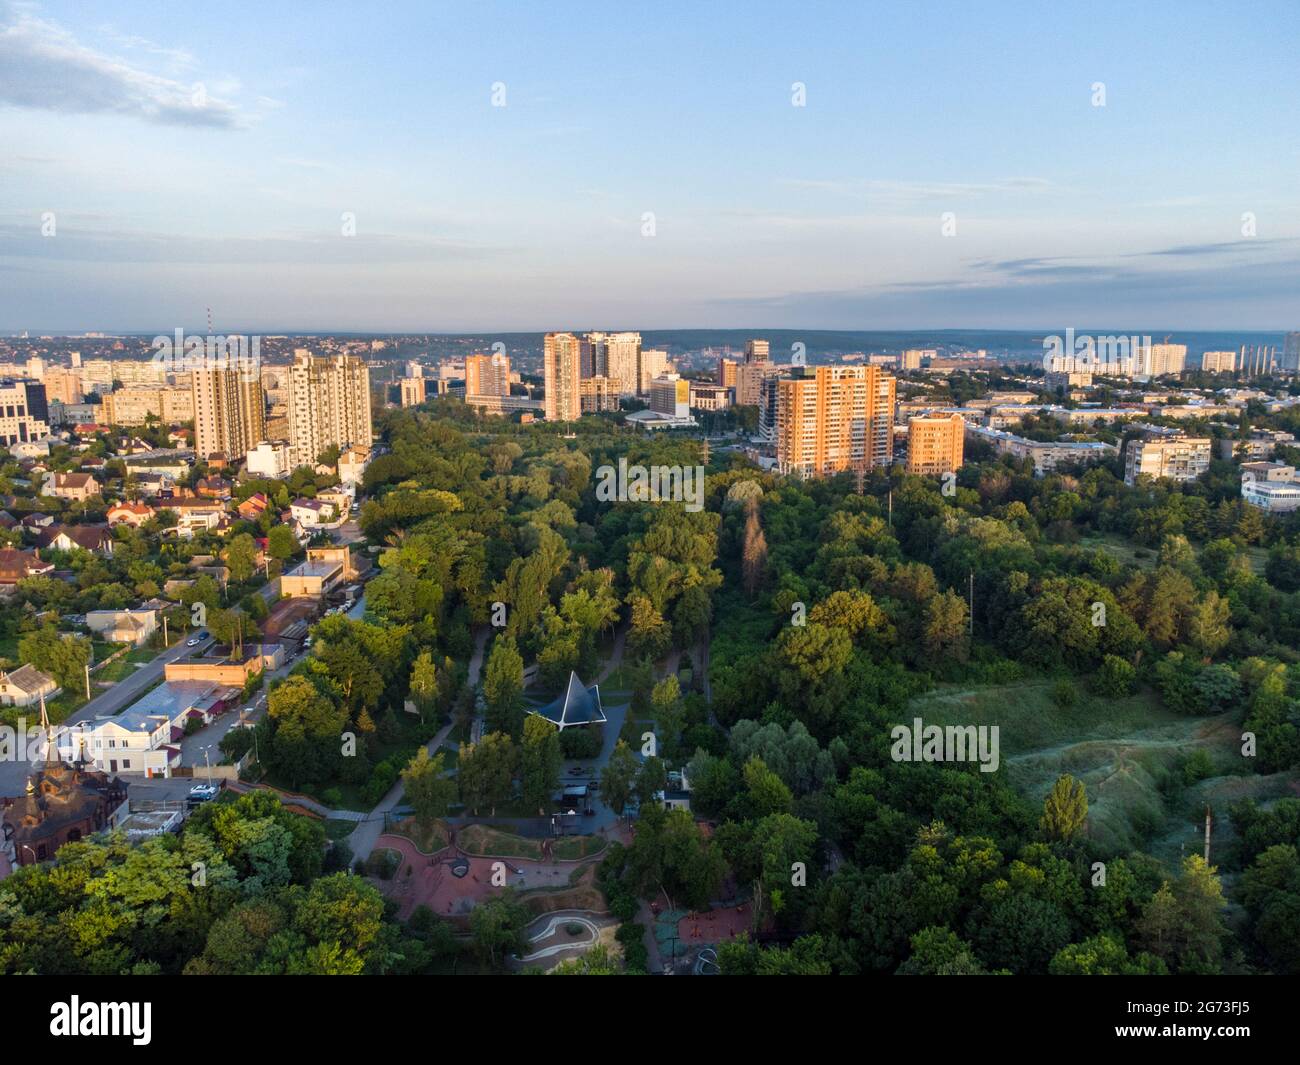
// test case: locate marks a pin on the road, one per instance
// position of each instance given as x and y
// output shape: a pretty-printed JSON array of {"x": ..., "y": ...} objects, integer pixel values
[{"x": 13, "y": 774}]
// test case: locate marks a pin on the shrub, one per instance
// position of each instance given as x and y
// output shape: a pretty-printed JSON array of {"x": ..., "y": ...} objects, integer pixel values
[
  {"x": 1115, "y": 678},
  {"x": 1063, "y": 694}
]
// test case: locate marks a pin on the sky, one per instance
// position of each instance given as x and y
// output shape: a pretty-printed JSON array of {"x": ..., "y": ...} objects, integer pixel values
[{"x": 334, "y": 167}]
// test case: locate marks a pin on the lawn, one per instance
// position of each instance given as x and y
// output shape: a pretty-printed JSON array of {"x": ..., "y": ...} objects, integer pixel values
[
  {"x": 484, "y": 840},
  {"x": 1129, "y": 554},
  {"x": 1128, "y": 752},
  {"x": 575, "y": 848}
]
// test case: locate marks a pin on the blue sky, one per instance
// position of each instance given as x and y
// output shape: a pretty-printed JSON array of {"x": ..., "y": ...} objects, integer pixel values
[{"x": 529, "y": 216}]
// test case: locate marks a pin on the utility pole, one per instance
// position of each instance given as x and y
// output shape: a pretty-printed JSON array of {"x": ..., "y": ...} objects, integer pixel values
[
  {"x": 164, "y": 630},
  {"x": 87, "y": 680},
  {"x": 971, "y": 619},
  {"x": 1209, "y": 820},
  {"x": 891, "y": 508}
]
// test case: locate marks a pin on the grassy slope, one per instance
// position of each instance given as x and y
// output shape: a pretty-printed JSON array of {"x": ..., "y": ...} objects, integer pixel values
[{"x": 1122, "y": 749}]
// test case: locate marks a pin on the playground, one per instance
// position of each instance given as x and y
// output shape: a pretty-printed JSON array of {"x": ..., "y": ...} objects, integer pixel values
[
  {"x": 452, "y": 882},
  {"x": 564, "y": 934},
  {"x": 715, "y": 926}
]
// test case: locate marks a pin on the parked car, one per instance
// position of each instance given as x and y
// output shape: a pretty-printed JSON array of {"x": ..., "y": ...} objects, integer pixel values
[{"x": 202, "y": 793}]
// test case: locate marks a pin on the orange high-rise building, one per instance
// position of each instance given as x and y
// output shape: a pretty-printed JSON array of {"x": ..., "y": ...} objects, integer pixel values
[
  {"x": 836, "y": 418},
  {"x": 934, "y": 444},
  {"x": 562, "y": 363},
  {"x": 487, "y": 375}
]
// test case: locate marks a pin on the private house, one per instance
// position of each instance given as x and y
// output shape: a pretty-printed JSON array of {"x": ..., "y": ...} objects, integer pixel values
[
  {"x": 25, "y": 685},
  {"x": 63, "y": 804},
  {"x": 353, "y": 463},
  {"x": 311, "y": 513},
  {"x": 94, "y": 538},
  {"x": 154, "y": 485},
  {"x": 30, "y": 449},
  {"x": 134, "y": 514},
  {"x": 340, "y": 499},
  {"x": 37, "y": 521},
  {"x": 252, "y": 508},
  {"x": 577, "y": 705},
  {"x": 17, "y": 565},
  {"x": 123, "y": 626},
  {"x": 213, "y": 488},
  {"x": 145, "y": 738},
  {"x": 77, "y": 487},
  {"x": 195, "y": 515}
]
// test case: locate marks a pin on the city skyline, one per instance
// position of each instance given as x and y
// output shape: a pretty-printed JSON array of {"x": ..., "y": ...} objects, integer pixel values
[{"x": 186, "y": 163}]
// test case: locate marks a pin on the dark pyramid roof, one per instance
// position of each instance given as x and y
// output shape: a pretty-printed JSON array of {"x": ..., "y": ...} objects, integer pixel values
[{"x": 579, "y": 705}]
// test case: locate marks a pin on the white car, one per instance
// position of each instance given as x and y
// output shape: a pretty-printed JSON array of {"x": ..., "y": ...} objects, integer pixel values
[{"x": 193, "y": 641}]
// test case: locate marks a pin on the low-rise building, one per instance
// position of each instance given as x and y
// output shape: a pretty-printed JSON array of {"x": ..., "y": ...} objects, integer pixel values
[
  {"x": 77, "y": 487},
  {"x": 1046, "y": 455},
  {"x": 1270, "y": 486},
  {"x": 135, "y": 627},
  {"x": 97, "y": 539},
  {"x": 1170, "y": 455},
  {"x": 134, "y": 514},
  {"x": 17, "y": 565},
  {"x": 270, "y": 459},
  {"x": 312, "y": 512},
  {"x": 311, "y": 579},
  {"x": 26, "y": 686}
]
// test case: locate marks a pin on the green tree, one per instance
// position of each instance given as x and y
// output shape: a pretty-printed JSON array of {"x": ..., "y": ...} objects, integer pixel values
[
  {"x": 540, "y": 760},
  {"x": 503, "y": 687},
  {"x": 486, "y": 771},
  {"x": 618, "y": 777},
  {"x": 427, "y": 788},
  {"x": 1065, "y": 810}
]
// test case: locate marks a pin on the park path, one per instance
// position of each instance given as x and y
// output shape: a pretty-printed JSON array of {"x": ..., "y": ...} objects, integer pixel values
[{"x": 615, "y": 655}]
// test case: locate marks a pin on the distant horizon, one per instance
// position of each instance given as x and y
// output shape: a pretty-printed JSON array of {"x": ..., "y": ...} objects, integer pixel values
[
  {"x": 853, "y": 167},
  {"x": 756, "y": 332}
]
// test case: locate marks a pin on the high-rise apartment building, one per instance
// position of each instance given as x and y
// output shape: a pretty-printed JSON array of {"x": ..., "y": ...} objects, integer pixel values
[
  {"x": 749, "y": 379},
  {"x": 414, "y": 390},
  {"x": 910, "y": 359},
  {"x": 654, "y": 363},
  {"x": 597, "y": 394},
  {"x": 229, "y": 411},
  {"x": 1218, "y": 361},
  {"x": 329, "y": 405},
  {"x": 1290, "y": 354},
  {"x": 62, "y": 385},
  {"x": 726, "y": 374},
  {"x": 934, "y": 444},
  {"x": 618, "y": 357},
  {"x": 134, "y": 406},
  {"x": 756, "y": 351},
  {"x": 487, "y": 375},
  {"x": 834, "y": 418},
  {"x": 1156, "y": 360},
  {"x": 24, "y": 412},
  {"x": 562, "y": 365}
]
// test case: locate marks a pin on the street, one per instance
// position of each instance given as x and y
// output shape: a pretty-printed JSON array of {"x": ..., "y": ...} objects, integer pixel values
[{"x": 13, "y": 773}]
